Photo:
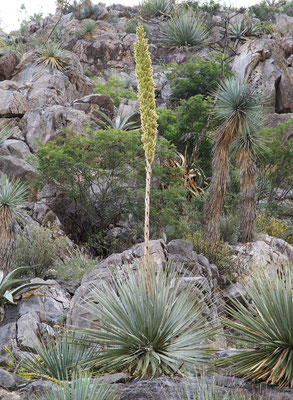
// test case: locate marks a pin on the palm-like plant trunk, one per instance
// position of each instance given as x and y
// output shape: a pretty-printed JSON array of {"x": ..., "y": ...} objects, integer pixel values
[
  {"x": 7, "y": 240},
  {"x": 247, "y": 165},
  {"x": 219, "y": 182}
]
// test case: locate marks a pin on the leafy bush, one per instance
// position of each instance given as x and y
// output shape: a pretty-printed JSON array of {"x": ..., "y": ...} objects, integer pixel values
[
  {"x": 209, "y": 7},
  {"x": 59, "y": 358},
  {"x": 132, "y": 24},
  {"x": 152, "y": 8},
  {"x": 39, "y": 249},
  {"x": 216, "y": 252},
  {"x": 105, "y": 189},
  {"x": 81, "y": 387},
  {"x": 264, "y": 320},
  {"x": 152, "y": 329},
  {"x": 195, "y": 76},
  {"x": 272, "y": 226},
  {"x": 115, "y": 88},
  {"x": 265, "y": 10},
  {"x": 184, "y": 29},
  {"x": 76, "y": 266}
]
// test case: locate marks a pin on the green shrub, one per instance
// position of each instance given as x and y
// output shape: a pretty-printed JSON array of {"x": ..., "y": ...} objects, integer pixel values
[
  {"x": 216, "y": 252},
  {"x": 265, "y": 10},
  {"x": 115, "y": 88},
  {"x": 81, "y": 387},
  {"x": 132, "y": 24},
  {"x": 273, "y": 226},
  {"x": 59, "y": 358},
  {"x": 88, "y": 27},
  {"x": 76, "y": 266},
  {"x": 195, "y": 76},
  {"x": 264, "y": 320},
  {"x": 118, "y": 175},
  {"x": 209, "y": 7},
  {"x": 184, "y": 29},
  {"x": 39, "y": 249},
  {"x": 152, "y": 8},
  {"x": 229, "y": 228},
  {"x": 149, "y": 331}
]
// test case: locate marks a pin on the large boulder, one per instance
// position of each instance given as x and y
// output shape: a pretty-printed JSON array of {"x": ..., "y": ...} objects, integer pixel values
[
  {"x": 47, "y": 86},
  {"x": 12, "y": 102},
  {"x": 13, "y": 160},
  {"x": 44, "y": 124},
  {"x": 35, "y": 314},
  {"x": 7, "y": 64}
]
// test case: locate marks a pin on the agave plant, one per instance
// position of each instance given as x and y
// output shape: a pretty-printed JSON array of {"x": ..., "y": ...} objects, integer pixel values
[
  {"x": 13, "y": 197},
  {"x": 58, "y": 358},
  {"x": 152, "y": 8},
  {"x": 194, "y": 178},
  {"x": 241, "y": 29},
  {"x": 81, "y": 387},
  {"x": 149, "y": 328},
  {"x": 184, "y": 30},
  {"x": 264, "y": 320},
  {"x": 88, "y": 28},
  {"x": 120, "y": 122},
  {"x": 11, "y": 287},
  {"x": 52, "y": 54}
]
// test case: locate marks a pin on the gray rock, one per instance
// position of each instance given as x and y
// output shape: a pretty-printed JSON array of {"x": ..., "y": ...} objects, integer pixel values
[
  {"x": 4, "y": 395},
  {"x": 95, "y": 102},
  {"x": 7, "y": 64},
  {"x": 12, "y": 102},
  {"x": 8, "y": 339},
  {"x": 45, "y": 124},
  {"x": 8, "y": 380}
]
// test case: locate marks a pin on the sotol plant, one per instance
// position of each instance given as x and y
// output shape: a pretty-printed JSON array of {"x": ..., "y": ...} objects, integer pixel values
[
  {"x": 147, "y": 105},
  {"x": 149, "y": 331},
  {"x": 264, "y": 320}
]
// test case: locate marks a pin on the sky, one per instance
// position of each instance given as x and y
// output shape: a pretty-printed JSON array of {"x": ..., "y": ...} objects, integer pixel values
[{"x": 11, "y": 15}]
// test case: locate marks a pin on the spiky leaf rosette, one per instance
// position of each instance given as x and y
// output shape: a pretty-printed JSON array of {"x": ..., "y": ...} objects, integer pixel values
[
  {"x": 13, "y": 195},
  {"x": 159, "y": 330},
  {"x": 146, "y": 94},
  {"x": 265, "y": 322}
]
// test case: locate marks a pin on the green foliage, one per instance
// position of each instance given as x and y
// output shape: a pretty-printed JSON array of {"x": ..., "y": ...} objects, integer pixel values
[
  {"x": 120, "y": 122},
  {"x": 88, "y": 27},
  {"x": 216, "y": 252},
  {"x": 115, "y": 88},
  {"x": 74, "y": 267},
  {"x": 184, "y": 29},
  {"x": 149, "y": 331},
  {"x": 10, "y": 287},
  {"x": 273, "y": 227},
  {"x": 39, "y": 249},
  {"x": 152, "y": 8},
  {"x": 5, "y": 133},
  {"x": 265, "y": 10},
  {"x": 241, "y": 29},
  {"x": 13, "y": 195},
  {"x": 182, "y": 126},
  {"x": 209, "y": 7},
  {"x": 195, "y": 76},
  {"x": 264, "y": 320},
  {"x": 81, "y": 387},
  {"x": 80, "y": 12},
  {"x": 132, "y": 25},
  {"x": 59, "y": 358},
  {"x": 103, "y": 176},
  {"x": 276, "y": 160},
  {"x": 53, "y": 55}
]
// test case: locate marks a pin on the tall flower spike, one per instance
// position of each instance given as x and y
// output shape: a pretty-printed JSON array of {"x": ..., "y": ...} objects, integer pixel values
[
  {"x": 146, "y": 94},
  {"x": 147, "y": 106}
]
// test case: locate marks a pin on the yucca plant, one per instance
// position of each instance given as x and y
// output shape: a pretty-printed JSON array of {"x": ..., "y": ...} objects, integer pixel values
[
  {"x": 10, "y": 287},
  {"x": 13, "y": 198},
  {"x": 81, "y": 387},
  {"x": 239, "y": 112},
  {"x": 184, "y": 30},
  {"x": 88, "y": 28},
  {"x": 120, "y": 122},
  {"x": 152, "y": 8},
  {"x": 58, "y": 358},
  {"x": 52, "y": 54},
  {"x": 148, "y": 330},
  {"x": 264, "y": 319}
]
